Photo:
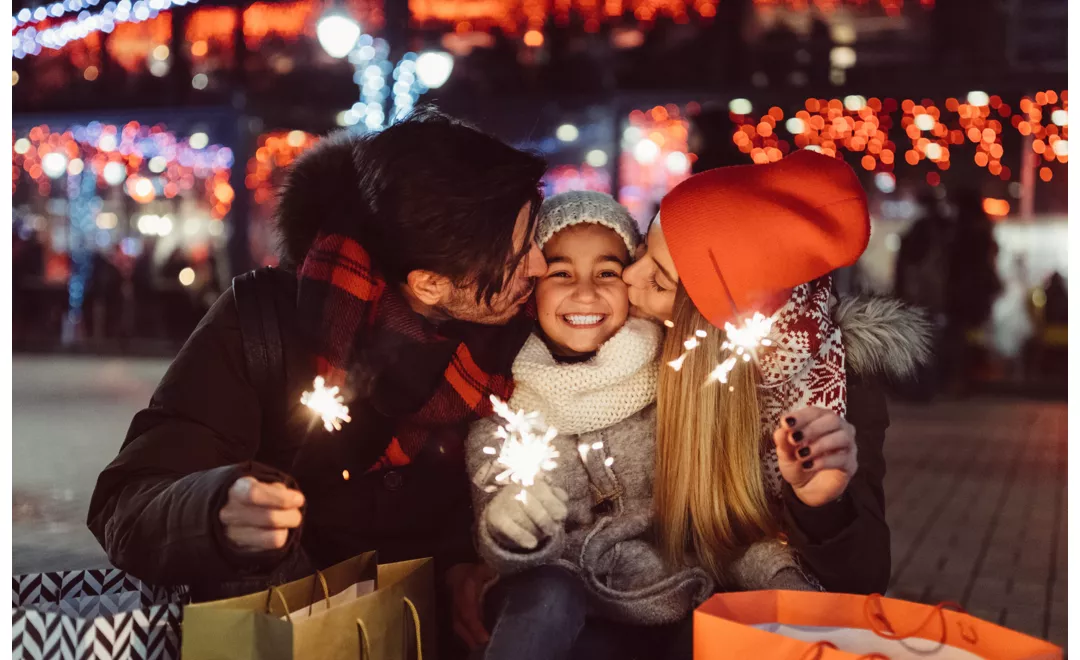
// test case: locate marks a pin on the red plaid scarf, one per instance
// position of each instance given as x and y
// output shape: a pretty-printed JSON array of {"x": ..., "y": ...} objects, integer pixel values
[{"x": 392, "y": 362}]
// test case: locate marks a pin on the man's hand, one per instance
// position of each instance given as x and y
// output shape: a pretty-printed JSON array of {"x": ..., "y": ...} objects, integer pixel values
[
  {"x": 818, "y": 455},
  {"x": 258, "y": 516},
  {"x": 466, "y": 583}
]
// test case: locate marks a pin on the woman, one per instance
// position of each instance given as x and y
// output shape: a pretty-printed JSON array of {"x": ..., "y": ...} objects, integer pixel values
[{"x": 769, "y": 448}]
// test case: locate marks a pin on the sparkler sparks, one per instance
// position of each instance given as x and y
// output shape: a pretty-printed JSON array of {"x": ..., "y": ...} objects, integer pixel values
[
  {"x": 327, "y": 403},
  {"x": 526, "y": 446},
  {"x": 743, "y": 340}
]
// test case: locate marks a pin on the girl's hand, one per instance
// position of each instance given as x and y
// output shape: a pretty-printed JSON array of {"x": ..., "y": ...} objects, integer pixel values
[
  {"x": 817, "y": 453},
  {"x": 522, "y": 523}
]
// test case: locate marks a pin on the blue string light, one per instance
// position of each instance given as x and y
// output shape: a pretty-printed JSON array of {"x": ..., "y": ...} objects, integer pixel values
[
  {"x": 83, "y": 202},
  {"x": 30, "y": 40}
]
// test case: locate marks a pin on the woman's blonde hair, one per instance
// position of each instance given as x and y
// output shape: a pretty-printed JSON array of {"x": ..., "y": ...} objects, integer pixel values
[{"x": 709, "y": 489}]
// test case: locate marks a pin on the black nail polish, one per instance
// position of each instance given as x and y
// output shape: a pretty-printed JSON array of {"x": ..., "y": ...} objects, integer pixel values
[
  {"x": 804, "y": 452},
  {"x": 797, "y": 436},
  {"x": 807, "y": 465},
  {"x": 790, "y": 421}
]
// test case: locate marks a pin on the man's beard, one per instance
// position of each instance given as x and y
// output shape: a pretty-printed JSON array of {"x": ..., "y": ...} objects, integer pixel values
[{"x": 464, "y": 307}]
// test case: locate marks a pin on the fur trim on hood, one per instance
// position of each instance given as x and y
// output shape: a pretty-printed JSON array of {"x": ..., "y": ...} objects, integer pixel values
[
  {"x": 321, "y": 184},
  {"x": 883, "y": 336}
]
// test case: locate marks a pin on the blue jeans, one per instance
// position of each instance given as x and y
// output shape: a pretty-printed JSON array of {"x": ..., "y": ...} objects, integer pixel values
[
  {"x": 541, "y": 615},
  {"x": 538, "y": 615}
]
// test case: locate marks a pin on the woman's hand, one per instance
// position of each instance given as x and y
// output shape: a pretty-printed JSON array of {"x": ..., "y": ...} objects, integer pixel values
[{"x": 817, "y": 453}]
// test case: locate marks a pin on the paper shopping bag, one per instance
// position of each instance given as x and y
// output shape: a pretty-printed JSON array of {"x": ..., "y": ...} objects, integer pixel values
[
  {"x": 798, "y": 625},
  {"x": 395, "y": 621},
  {"x": 94, "y": 614}
]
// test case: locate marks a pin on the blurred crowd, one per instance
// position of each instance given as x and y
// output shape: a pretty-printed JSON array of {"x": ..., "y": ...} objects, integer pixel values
[
  {"x": 134, "y": 299},
  {"x": 990, "y": 325}
]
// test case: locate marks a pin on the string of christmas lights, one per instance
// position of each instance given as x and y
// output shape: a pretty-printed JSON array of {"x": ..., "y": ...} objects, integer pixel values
[{"x": 31, "y": 41}]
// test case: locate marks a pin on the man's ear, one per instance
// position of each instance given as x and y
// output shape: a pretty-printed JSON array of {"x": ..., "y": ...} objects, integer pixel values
[{"x": 429, "y": 288}]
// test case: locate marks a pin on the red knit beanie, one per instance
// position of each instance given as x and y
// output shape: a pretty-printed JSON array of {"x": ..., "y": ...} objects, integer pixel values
[{"x": 746, "y": 235}]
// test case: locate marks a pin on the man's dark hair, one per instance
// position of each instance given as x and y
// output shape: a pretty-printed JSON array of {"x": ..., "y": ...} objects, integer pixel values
[{"x": 428, "y": 193}]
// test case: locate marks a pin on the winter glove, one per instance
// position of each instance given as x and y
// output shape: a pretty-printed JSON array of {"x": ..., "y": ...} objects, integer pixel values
[{"x": 521, "y": 525}]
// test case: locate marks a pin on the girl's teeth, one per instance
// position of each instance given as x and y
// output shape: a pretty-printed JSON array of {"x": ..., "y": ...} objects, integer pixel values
[{"x": 578, "y": 319}]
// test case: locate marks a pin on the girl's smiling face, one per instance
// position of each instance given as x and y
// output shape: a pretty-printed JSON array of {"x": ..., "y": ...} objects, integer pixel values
[
  {"x": 582, "y": 300},
  {"x": 652, "y": 278}
]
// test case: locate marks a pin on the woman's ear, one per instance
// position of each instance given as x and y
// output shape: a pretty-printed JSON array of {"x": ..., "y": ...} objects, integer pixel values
[{"x": 429, "y": 288}]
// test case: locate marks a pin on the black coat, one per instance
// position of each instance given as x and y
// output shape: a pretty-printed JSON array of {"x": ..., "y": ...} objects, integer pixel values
[{"x": 155, "y": 507}]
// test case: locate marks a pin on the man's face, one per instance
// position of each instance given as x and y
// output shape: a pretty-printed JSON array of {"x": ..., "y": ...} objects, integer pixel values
[{"x": 461, "y": 303}]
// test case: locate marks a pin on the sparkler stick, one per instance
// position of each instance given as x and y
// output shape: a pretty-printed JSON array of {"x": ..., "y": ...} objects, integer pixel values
[
  {"x": 526, "y": 446},
  {"x": 328, "y": 404}
]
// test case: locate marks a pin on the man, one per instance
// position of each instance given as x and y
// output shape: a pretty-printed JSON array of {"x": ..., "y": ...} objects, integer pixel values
[{"x": 408, "y": 259}]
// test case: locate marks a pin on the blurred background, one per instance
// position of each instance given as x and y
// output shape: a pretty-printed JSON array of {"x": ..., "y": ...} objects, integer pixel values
[{"x": 149, "y": 138}]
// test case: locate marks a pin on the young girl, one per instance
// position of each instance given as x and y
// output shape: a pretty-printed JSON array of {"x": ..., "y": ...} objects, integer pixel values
[{"x": 579, "y": 571}]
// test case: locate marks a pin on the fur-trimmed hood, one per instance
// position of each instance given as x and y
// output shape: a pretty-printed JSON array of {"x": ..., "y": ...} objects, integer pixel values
[
  {"x": 883, "y": 336},
  {"x": 321, "y": 185}
]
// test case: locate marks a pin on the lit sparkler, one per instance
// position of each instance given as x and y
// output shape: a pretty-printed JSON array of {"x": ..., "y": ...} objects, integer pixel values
[
  {"x": 526, "y": 446},
  {"x": 328, "y": 404}
]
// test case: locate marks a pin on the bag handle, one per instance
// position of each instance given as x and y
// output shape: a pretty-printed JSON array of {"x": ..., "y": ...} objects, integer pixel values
[
  {"x": 325, "y": 590},
  {"x": 281, "y": 597},
  {"x": 874, "y": 609},
  {"x": 365, "y": 643},
  {"x": 415, "y": 616},
  {"x": 817, "y": 652}
]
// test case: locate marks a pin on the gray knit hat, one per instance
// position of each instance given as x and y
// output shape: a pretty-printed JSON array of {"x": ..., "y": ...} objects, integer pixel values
[{"x": 577, "y": 206}]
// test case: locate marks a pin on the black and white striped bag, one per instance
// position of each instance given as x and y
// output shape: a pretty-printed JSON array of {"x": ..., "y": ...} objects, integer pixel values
[{"x": 94, "y": 615}]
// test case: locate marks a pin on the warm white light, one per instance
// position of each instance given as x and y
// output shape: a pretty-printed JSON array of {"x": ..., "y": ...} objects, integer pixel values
[
  {"x": 144, "y": 188},
  {"x": 161, "y": 52},
  {"x": 596, "y": 158},
  {"x": 978, "y": 99},
  {"x": 892, "y": 242},
  {"x": 567, "y": 133},
  {"x": 327, "y": 403},
  {"x": 114, "y": 173},
  {"x": 1059, "y": 117},
  {"x": 22, "y": 145},
  {"x": 933, "y": 151},
  {"x": 924, "y": 122},
  {"x": 75, "y": 167},
  {"x": 677, "y": 162},
  {"x": 198, "y": 140},
  {"x": 646, "y": 151},
  {"x": 107, "y": 142},
  {"x": 842, "y": 57},
  {"x": 160, "y": 69},
  {"x": 216, "y": 228},
  {"x": 192, "y": 226},
  {"x": 885, "y": 182},
  {"x": 200, "y": 81},
  {"x": 147, "y": 224},
  {"x": 1061, "y": 147},
  {"x": 106, "y": 221},
  {"x": 433, "y": 68},
  {"x": 158, "y": 164},
  {"x": 187, "y": 277},
  {"x": 295, "y": 139},
  {"x": 795, "y": 126},
  {"x": 337, "y": 33},
  {"x": 54, "y": 164},
  {"x": 854, "y": 103},
  {"x": 740, "y": 107}
]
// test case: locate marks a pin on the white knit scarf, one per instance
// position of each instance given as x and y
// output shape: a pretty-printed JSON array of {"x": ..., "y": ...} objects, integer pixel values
[
  {"x": 804, "y": 367},
  {"x": 577, "y": 398}
]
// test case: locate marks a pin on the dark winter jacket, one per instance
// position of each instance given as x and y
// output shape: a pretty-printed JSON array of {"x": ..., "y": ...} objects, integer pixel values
[
  {"x": 155, "y": 507},
  {"x": 846, "y": 544}
]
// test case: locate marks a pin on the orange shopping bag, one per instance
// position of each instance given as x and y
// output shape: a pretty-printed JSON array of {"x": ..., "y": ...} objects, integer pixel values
[{"x": 800, "y": 625}]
